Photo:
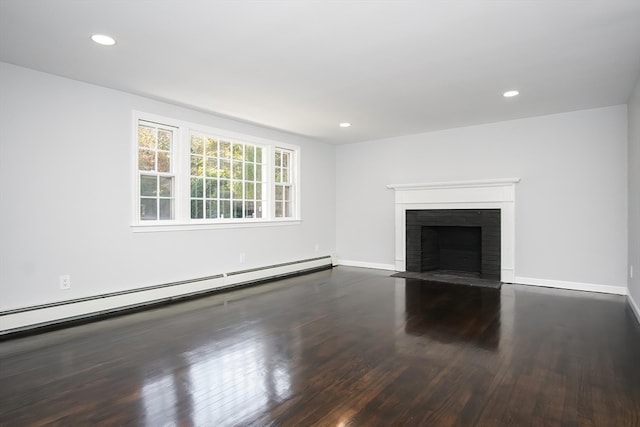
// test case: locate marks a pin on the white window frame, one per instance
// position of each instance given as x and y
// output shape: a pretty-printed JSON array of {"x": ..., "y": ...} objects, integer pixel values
[
  {"x": 290, "y": 183},
  {"x": 171, "y": 174},
  {"x": 181, "y": 158}
]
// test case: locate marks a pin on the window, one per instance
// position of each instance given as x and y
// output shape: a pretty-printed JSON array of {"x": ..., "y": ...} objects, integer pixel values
[
  {"x": 283, "y": 183},
  {"x": 156, "y": 180},
  {"x": 226, "y": 178},
  {"x": 193, "y": 175}
]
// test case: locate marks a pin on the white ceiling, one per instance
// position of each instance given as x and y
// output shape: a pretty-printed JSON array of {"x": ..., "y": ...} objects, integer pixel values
[{"x": 389, "y": 67}]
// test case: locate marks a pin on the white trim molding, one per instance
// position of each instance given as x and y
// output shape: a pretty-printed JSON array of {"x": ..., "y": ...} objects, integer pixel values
[
  {"x": 374, "y": 265},
  {"x": 576, "y": 286},
  {"x": 634, "y": 306},
  {"x": 456, "y": 184},
  {"x": 477, "y": 194}
]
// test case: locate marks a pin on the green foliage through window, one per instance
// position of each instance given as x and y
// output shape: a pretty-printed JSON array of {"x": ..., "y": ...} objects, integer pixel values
[{"x": 224, "y": 178}]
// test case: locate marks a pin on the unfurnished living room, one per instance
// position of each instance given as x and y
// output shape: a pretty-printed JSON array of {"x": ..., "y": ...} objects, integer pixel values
[{"x": 320, "y": 213}]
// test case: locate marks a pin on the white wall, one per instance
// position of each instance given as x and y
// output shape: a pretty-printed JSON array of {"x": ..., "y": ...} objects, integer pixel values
[
  {"x": 65, "y": 170},
  {"x": 634, "y": 196},
  {"x": 571, "y": 205},
  {"x": 65, "y": 193}
]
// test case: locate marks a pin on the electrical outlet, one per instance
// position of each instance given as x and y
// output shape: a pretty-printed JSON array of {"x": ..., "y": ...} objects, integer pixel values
[
  {"x": 242, "y": 257},
  {"x": 65, "y": 281}
]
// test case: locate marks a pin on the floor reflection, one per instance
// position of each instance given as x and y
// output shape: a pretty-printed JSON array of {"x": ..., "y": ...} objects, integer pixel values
[
  {"x": 348, "y": 347},
  {"x": 224, "y": 383},
  {"x": 159, "y": 400},
  {"x": 451, "y": 313}
]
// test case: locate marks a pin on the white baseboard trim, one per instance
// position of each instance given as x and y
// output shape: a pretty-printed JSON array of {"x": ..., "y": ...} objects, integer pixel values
[
  {"x": 576, "y": 286},
  {"x": 26, "y": 318},
  {"x": 375, "y": 265},
  {"x": 634, "y": 307}
]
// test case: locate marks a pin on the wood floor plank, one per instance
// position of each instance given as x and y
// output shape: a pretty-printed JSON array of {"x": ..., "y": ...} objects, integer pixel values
[{"x": 342, "y": 347}]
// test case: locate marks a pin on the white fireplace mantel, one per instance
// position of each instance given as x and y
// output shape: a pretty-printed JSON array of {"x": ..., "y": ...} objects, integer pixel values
[{"x": 477, "y": 194}]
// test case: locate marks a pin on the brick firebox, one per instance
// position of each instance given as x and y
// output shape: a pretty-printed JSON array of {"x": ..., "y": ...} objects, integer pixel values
[{"x": 466, "y": 240}]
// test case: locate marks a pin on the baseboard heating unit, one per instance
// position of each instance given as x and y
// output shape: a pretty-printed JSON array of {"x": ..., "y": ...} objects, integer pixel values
[{"x": 57, "y": 314}]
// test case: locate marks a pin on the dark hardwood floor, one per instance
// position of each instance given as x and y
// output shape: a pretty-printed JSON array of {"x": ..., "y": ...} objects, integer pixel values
[{"x": 342, "y": 347}]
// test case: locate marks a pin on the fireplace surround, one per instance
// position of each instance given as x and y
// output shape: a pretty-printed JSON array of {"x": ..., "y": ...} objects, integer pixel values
[
  {"x": 457, "y": 240},
  {"x": 492, "y": 194}
]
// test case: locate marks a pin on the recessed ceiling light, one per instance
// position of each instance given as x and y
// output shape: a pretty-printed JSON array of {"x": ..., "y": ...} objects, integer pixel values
[
  {"x": 103, "y": 40},
  {"x": 345, "y": 124},
  {"x": 510, "y": 93}
]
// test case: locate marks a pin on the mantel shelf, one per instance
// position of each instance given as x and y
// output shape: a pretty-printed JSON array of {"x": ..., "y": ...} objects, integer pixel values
[{"x": 455, "y": 184}]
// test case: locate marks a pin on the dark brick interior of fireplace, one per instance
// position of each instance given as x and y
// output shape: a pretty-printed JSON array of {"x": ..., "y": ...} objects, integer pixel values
[{"x": 463, "y": 240}]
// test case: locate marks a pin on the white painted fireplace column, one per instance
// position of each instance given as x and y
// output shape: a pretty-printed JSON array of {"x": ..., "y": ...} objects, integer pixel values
[{"x": 482, "y": 194}]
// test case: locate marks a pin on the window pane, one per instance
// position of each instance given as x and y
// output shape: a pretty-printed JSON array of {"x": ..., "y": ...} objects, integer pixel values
[
  {"x": 164, "y": 140},
  {"x": 259, "y": 191},
  {"x": 196, "y": 165},
  {"x": 196, "y": 187},
  {"x": 285, "y": 159},
  {"x": 212, "y": 209},
  {"x": 249, "y": 190},
  {"x": 249, "y": 153},
  {"x": 259, "y": 173},
  {"x": 225, "y": 209},
  {"x": 196, "y": 144},
  {"x": 146, "y": 160},
  {"x": 225, "y": 189},
  {"x": 258, "y": 155},
  {"x": 285, "y": 175},
  {"x": 278, "y": 159},
  {"x": 164, "y": 164},
  {"x": 258, "y": 212},
  {"x": 148, "y": 185},
  {"x": 148, "y": 209},
  {"x": 146, "y": 137},
  {"x": 166, "y": 187},
  {"x": 278, "y": 175},
  {"x": 278, "y": 209},
  {"x": 211, "y": 190},
  {"x": 249, "y": 172},
  {"x": 237, "y": 190},
  {"x": 196, "y": 209},
  {"x": 237, "y": 171},
  {"x": 225, "y": 169},
  {"x": 225, "y": 150},
  {"x": 278, "y": 192},
  {"x": 212, "y": 167},
  {"x": 237, "y": 209},
  {"x": 212, "y": 147},
  {"x": 249, "y": 210},
  {"x": 166, "y": 209},
  {"x": 237, "y": 152},
  {"x": 287, "y": 209}
]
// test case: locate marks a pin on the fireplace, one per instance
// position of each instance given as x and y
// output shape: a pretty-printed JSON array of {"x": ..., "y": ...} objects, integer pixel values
[
  {"x": 467, "y": 198},
  {"x": 456, "y": 241}
]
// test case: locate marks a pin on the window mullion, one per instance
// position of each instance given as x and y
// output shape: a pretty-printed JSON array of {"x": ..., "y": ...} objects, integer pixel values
[
  {"x": 156, "y": 155},
  {"x": 269, "y": 191},
  {"x": 183, "y": 175}
]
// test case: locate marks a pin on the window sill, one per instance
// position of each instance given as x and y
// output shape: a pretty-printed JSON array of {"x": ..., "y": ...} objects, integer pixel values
[{"x": 173, "y": 226}]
